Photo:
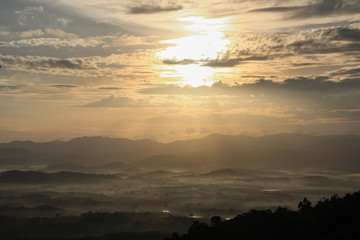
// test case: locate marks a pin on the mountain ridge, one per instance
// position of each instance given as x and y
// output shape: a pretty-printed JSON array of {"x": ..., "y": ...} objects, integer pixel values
[{"x": 270, "y": 151}]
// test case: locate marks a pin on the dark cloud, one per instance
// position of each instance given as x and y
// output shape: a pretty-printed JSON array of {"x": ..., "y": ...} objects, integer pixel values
[
  {"x": 322, "y": 8},
  {"x": 317, "y": 8},
  {"x": 37, "y": 63},
  {"x": 109, "y": 88},
  {"x": 321, "y": 47},
  {"x": 223, "y": 62},
  {"x": 219, "y": 62},
  {"x": 342, "y": 33},
  {"x": 21, "y": 15},
  {"x": 10, "y": 87},
  {"x": 299, "y": 85},
  {"x": 63, "y": 86},
  {"x": 231, "y": 62},
  {"x": 353, "y": 72},
  {"x": 277, "y": 9},
  {"x": 149, "y": 9},
  {"x": 338, "y": 39},
  {"x": 257, "y": 76},
  {"x": 62, "y": 63},
  {"x": 178, "y": 62},
  {"x": 300, "y": 98},
  {"x": 324, "y": 41}
]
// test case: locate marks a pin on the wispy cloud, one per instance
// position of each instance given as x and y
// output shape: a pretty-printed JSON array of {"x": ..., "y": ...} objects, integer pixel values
[
  {"x": 44, "y": 62},
  {"x": 64, "y": 86},
  {"x": 150, "y": 9},
  {"x": 317, "y": 8}
]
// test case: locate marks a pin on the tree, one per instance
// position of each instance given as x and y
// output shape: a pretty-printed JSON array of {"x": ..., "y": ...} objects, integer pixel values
[
  {"x": 305, "y": 205},
  {"x": 215, "y": 220}
]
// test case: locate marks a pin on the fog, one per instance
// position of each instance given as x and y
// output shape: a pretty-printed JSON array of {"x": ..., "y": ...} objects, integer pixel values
[
  {"x": 225, "y": 192},
  {"x": 165, "y": 191}
]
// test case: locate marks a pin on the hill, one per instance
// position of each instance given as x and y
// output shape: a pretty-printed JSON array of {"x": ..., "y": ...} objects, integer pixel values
[
  {"x": 334, "y": 218},
  {"x": 32, "y": 177},
  {"x": 281, "y": 151}
]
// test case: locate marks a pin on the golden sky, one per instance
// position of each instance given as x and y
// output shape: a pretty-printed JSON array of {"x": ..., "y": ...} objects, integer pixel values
[{"x": 170, "y": 70}]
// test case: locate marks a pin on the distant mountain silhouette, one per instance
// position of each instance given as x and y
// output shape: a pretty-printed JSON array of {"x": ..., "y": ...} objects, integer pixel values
[
  {"x": 17, "y": 156},
  {"x": 22, "y": 211},
  {"x": 106, "y": 149},
  {"x": 14, "y": 152},
  {"x": 114, "y": 166},
  {"x": 108, "y": 167},
  {"x": 281, "y": 151},
  {"x": 168, "y": 161},
  {"x": 32, "y": 177},
  {"x": 66, "y": 167},
  {"x": 157, "y": 173},
  {"x": 228, "y": 172}
]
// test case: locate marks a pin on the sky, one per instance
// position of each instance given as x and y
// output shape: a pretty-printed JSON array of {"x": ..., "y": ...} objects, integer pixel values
[{"x": 169, "y": 70}]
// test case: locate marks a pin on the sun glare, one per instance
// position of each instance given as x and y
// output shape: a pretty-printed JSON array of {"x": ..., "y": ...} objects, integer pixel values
[
  {"x": 205, "y": 42},
  {"x": 194, "y": 75}
]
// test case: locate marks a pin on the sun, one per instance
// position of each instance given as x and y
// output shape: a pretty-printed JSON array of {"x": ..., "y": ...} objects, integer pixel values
[{"x": 189, "y": 53}]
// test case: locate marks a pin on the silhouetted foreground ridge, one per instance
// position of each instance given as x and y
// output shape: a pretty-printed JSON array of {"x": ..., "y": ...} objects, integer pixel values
[{"x": 334, "y": 218}]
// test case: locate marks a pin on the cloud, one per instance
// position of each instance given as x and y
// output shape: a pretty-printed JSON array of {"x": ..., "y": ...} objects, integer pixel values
[
  {"x": 322, "y": 8},
  {"x": 298, "y": 101},
  {"x": 30, "y": 10},
  {"x": 301, "y": 85},
  {"x": 119, "y": 102},
  {"x": 127, "y": 102},
  {"x": 277, "y": 9},
  {"x": 342, "y": 40},
  {"x": 190, "y": 131},
  {"x": 44, "y": 62},
  {"x": 301, "y": 92},
  {"x": 67, "y": 16},
  {"x": 10, "y": 87},
  {"x": 63, "y": 86},
  {"x": 59, "y": 33},
  {"x": 110, "y": 88},
  {"x": 342, "y": 33},
  {"x": 218, "y": 62},
  {"x": 232, "y": 62},
  {"x": 63, "y": 63},
  {"x": 204, "y": 130},
  {"x": 263, "y": 47},
  {"x": 31, "y": 33},
  {"x": 58, "y": 63},
  {"x": 63, "y": 21},
  {"x": 178, "y": 62},
  {"x": 177, "y": 90},
  {"x": 149, "y": 9},
  {"x": 113, "y": 102},
  {"x": 353, "y": 72},
  {"x": 317, "y": 8}
]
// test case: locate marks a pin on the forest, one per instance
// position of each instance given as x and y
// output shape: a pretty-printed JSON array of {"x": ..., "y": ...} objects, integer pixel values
[{"x": 330, "y": 218}]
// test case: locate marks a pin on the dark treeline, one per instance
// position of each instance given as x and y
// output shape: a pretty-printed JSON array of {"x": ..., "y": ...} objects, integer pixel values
[
  {"x": 330, "y": 218},
  {"x": 92, "y": 225}
]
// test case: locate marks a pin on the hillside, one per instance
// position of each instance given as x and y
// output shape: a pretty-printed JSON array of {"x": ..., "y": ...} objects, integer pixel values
[
  {"x": 282, "y": 151},
  {"x": 32, "y": 177},
  {"x": 330, "y": 218}
]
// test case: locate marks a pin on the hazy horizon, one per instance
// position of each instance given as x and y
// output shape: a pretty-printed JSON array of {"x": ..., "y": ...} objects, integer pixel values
[{"x": 175, "y": 140}]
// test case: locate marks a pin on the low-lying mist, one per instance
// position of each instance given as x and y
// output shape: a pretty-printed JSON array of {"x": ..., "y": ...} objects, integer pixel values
[
  {"x": 164, "y": 187},
  {"x": 224, "y": 192}
]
